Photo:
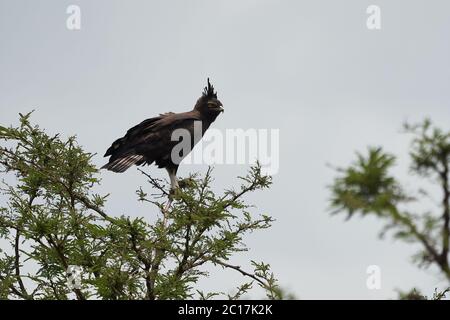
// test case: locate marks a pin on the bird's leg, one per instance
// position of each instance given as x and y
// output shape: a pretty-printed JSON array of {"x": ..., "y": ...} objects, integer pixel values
[
  {"x": 173, "y": 180},
  {"x": 173, "y": 186}
]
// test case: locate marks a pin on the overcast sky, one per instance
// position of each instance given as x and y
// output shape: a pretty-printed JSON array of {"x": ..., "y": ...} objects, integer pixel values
[{"x": 311, "y": 69}]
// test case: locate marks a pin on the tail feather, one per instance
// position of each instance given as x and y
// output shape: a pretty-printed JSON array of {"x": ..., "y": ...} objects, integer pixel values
[{"x": 123, "y": 163}]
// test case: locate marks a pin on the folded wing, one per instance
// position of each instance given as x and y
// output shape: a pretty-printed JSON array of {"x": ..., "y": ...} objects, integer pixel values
[{"x": 148, "y": 142}]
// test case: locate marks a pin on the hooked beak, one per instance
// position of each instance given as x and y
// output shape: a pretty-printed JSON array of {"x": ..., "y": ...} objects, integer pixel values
[{"x": 222, "y": 110}]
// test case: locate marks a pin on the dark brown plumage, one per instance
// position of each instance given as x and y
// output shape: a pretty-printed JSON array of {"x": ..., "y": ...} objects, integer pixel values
[{"x": 151, "y": 140}]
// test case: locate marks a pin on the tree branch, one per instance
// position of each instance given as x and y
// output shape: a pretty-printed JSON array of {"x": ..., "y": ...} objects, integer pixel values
[
  {"x": 145, "y": 261},
  {"x": 446, "y": 218},
  {"x": 78, "y": 293},
  {"x": 17, "y": 264}
]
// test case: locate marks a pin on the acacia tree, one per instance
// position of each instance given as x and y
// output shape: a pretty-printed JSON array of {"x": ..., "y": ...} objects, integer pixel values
[
  {"x": 52, "y": 220},
  {"x": 367, "y": 187}
]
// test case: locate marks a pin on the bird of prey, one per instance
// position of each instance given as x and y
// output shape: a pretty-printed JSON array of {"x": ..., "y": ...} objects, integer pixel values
[{"x": 151, "y": 141}]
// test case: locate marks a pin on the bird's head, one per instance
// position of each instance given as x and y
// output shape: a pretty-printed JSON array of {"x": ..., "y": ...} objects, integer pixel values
[{"x": 208, "y": 104}]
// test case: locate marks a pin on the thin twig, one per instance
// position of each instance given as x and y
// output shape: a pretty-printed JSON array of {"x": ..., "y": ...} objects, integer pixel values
[{"x": 239, "y": 269}]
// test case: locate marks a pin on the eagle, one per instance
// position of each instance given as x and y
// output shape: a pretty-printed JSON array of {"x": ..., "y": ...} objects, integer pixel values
[{"x": 152, "y": 141}]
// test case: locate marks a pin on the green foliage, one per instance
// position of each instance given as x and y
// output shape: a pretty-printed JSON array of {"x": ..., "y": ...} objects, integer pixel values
[
  {"x": 368, "y": 187},
  {"x": 430, "y": 150},
  {"x": 52, "y": 220},
  {"x": 415, "y": 294}
]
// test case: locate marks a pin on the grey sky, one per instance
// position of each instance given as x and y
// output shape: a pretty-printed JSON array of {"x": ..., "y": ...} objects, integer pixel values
[{"x": 310, "y": 68}]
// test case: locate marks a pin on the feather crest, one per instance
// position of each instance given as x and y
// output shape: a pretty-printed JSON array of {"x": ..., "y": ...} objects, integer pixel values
[{"x": 208, "y": 91}]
